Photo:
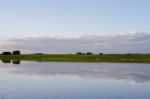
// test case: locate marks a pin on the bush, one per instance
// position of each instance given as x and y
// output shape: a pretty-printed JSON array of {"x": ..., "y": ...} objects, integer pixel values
[
  {"x": 6, "y": 53},
  {"x": 79, "y": 53},
  {"x": 128, "y": 54},
  {"x": 100, "y": 53},
  {"x": 16, "y": 53},
  {"x": 89, "y": 53}
]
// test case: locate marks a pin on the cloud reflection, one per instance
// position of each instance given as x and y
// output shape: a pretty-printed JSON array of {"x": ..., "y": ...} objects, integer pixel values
[{"x": 133, "y": 73}]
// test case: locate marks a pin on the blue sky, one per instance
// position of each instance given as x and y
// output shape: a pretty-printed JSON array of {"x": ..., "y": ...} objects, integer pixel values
[{"x": 73, "y": 17}]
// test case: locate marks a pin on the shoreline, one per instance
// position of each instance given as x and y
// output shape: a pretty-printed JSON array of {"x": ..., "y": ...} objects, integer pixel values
[{"x": 114, "y": 58}]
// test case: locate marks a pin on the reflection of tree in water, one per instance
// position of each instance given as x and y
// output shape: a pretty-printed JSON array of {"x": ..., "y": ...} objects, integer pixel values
[
  {"x": 16, "y": 61},
  {"x": 9, "y": 61},
  {"x": 6, "y": 61}
]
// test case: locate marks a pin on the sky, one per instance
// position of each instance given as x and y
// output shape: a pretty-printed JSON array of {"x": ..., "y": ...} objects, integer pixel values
[
  {"x": 122, "y": 43},
  {"x": 72, "y": 18},
  {"x": 68, "y": 26}
]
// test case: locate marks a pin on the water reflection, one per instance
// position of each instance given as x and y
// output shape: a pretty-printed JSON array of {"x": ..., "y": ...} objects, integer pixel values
[
  {"x": 58, "y": 80},
  {"x": 132, "y": 73},
  {"x": 17, "y": 62},
  {"x": 6, "y": 61}
]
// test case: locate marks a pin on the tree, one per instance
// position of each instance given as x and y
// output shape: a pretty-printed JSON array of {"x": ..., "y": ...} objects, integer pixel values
[
  {"x": 128, "y": 54},
  {"x": 79, "y": 53},
  {"x": 6, "y": 53},
  {"x": 100, "y": 53},
  {"x": 16, "y": 53},
  {"x": 89, "y": 53}
]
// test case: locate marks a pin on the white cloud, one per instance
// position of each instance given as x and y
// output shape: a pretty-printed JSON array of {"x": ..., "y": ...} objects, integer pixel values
[{"x": 122, "y": 43}]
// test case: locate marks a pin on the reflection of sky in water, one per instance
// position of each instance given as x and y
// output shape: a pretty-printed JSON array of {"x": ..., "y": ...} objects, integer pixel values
[
  {"x": 116, "y": 71},
  {"x": 32, "y": 80}
]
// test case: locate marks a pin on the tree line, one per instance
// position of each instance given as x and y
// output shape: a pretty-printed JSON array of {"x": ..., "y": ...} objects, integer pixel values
[
  {"x": 88, "y": 53},
  {"x": 17, "y": 52}
]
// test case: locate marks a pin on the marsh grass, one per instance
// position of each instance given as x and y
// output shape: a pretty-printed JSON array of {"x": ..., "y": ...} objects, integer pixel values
[{"x": 134, "y": 58}]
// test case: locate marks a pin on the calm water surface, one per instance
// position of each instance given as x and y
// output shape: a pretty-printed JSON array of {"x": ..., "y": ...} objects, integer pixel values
[{"x": 58, "y": 80}]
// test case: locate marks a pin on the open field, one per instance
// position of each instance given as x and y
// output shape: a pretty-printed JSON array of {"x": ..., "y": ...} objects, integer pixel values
[{"x": 133, "y": 58}]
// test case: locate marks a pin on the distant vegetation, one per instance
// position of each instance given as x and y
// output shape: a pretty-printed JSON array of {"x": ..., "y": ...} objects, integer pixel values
[
  {"x": 89, "y": 53},
  {"x": 6, "y": 53},
  {"x": 16, "y": 53},
  {"x": 12, "y": 53},
  {"x": 78, "y": 57},
  {"x": 80, "y": 53}
]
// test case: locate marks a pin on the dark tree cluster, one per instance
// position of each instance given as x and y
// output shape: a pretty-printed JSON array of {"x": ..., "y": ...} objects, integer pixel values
[
  {"x": 13, "y": 53},
  {"x": 80, "y": 53},
  {"x": 100, "y": 53},
  {"x": 88, "y": 53},
  {"x": 16, "y": 53},
  {"x": 6, "y": 53}
]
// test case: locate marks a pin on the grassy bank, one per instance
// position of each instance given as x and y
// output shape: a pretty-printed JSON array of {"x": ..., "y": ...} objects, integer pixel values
[{"x": 134, "y": 58}]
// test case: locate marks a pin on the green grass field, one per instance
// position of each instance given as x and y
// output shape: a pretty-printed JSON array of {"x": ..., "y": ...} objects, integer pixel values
[{"x": 133, "y": 58}]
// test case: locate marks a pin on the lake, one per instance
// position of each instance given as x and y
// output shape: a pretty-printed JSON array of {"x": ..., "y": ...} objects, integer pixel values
[{"x": 62, "y": 80}]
